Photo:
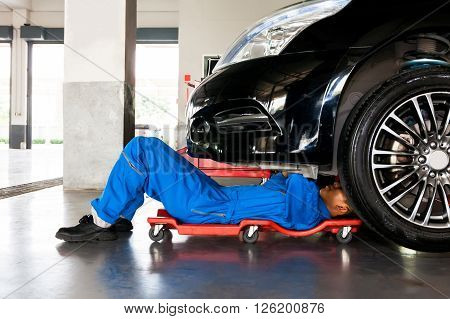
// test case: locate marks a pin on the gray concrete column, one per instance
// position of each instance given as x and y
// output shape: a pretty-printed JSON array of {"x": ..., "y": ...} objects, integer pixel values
[
  {"x": 19, "y": 62},
  {"x": 99, "y": 54}
]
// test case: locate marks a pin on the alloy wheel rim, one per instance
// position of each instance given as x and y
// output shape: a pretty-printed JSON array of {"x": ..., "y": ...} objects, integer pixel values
[{"x": 410, "y": 156}]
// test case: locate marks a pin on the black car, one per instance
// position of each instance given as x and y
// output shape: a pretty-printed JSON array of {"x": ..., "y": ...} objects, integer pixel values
[{"x": 357, "y": 89}]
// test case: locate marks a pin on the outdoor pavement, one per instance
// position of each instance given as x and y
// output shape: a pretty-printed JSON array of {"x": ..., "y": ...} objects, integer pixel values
[{"x": 26, "y": 166}]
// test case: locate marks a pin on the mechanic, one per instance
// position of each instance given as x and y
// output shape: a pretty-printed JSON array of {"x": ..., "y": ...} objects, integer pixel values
[{"x": 148, "y": 165}]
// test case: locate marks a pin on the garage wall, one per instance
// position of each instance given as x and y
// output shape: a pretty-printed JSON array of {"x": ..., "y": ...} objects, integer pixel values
[
  {"x": 5, "y": 16},
  {"x": 50, "y": 13},
  {"x": 209, "y": 27},
  {"x": 47, "y": 13},
  {"x": 157, "y": 13}
]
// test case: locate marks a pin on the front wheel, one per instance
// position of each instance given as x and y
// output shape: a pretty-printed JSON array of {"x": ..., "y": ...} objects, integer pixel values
[{"x": 394, "y": 159}]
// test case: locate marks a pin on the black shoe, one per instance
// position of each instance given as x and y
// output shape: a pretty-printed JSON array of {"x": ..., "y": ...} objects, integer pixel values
[
  {"x": 86, "y": 230},
  {"x": 122, "y": 225}
]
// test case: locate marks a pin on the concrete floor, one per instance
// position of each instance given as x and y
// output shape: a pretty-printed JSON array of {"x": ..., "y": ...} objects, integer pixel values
[
  {"x": 26, "y": 166},
  {"x": 33, "y": 264}
]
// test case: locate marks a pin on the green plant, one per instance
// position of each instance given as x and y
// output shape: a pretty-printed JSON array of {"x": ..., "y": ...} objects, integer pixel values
[
  {"x": 56, "y": 141},
  {"x": 4, "y": 140},
  {"x": 39, "y": 141}
]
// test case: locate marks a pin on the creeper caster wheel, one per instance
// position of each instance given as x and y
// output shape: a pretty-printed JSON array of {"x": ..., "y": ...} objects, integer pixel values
[
  {"x": 249, "y": 235},
  {"x": 344, "y": 235},
  {"x": 157, "y": 232}
]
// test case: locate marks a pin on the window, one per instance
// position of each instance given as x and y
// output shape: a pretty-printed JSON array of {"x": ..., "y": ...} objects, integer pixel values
[
  {"x": 157, "y": 91},
  {"x": 46, "y": 93},
  {"x": 5, "y": 91}
]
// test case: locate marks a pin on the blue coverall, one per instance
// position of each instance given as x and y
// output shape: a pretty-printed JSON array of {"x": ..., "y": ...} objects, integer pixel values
[{"x": 148, "y": 165}]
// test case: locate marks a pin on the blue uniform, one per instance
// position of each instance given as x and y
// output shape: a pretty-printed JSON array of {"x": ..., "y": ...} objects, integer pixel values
[{"x": 148, "y": 165}]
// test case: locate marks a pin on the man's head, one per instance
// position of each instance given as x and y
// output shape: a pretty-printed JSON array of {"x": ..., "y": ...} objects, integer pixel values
[{"x": 335, "y": 199}]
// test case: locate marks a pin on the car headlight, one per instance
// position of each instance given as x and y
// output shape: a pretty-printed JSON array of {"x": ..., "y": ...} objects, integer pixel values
[{"x": 270, "y": 35}]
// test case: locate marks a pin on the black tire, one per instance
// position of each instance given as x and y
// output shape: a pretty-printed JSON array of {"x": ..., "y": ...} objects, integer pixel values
[
  {"x": 244, "y": 236},
  {"x": 354, "y": 159},
  {"x": 341, "y": 239},
  {"x": 159, "y": 236}
]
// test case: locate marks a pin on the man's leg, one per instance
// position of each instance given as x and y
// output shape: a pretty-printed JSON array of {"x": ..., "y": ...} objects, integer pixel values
[
  {"x": 124, "y": 190},
  {"x": 123, "y": 194},
  {"x": 145, "y": 165}
]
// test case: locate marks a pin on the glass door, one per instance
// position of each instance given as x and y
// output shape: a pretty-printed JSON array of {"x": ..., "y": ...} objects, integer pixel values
[
  {"x": 5, "y": 93},
  {"x": 157, "y": 91},
  {"x": 47, "y": 94}
]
